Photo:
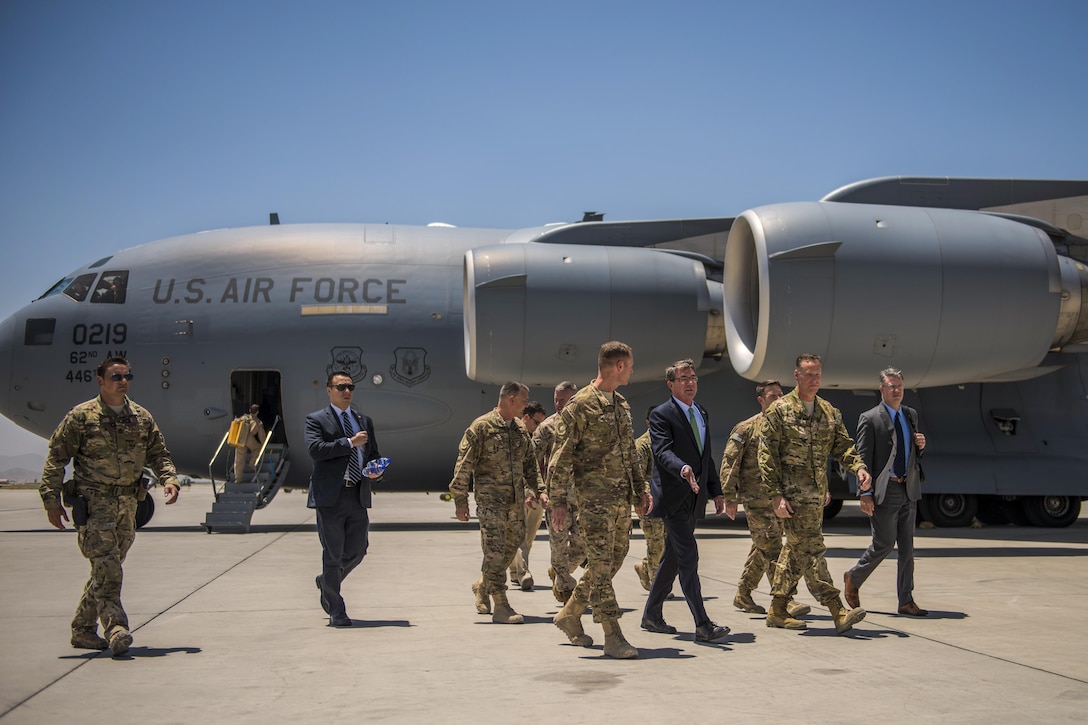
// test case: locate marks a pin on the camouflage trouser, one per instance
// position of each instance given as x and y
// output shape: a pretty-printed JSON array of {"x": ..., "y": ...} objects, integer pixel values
[
  {"x": 105, "y": 541},
  {"x": 533, "y": 515},
  {"x": 607, "y": 532},
  {"x": 502, "y": 527},
  {"x": 766, "y": 531},
  {"x": 803, "y": 555},
  {"x": 568, "y": 548},
  {"x": 653, "y": 530}
]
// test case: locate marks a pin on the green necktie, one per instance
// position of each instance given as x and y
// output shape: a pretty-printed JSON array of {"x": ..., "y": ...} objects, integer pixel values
[{"x": 695, "y": 427}]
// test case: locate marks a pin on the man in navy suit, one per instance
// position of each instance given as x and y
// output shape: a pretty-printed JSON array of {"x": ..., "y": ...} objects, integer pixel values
[
  {"x": 684, "y": 476},
  {"x": 341, "y": 441},
  {"x": 890, "y": 444}
]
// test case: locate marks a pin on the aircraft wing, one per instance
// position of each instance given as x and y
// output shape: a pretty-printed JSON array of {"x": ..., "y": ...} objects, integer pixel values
[
  {"x": 634, "y": 233},
  {"x": 943, "y": 192}
]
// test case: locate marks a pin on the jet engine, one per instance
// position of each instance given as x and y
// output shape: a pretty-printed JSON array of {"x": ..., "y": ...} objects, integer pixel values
[
  {"x": 538, "y": 313},
  {"x": 948, "y": 296}
]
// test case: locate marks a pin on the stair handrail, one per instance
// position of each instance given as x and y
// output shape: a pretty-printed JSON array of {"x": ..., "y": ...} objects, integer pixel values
[
  {"x": 260, "y": 455},
  {"x": 211, "y": 464}
]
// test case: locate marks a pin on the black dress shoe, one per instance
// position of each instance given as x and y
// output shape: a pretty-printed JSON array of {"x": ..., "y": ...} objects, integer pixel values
[
  {"x": 657, "y": 625},
  {"x": 709, "y": 632},
  {"x": 324, "y": 601},
  {"x": 340, "y": 620}
]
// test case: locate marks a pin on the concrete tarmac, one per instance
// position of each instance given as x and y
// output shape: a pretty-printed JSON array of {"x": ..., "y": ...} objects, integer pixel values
[{"x": 228, "y": 629}]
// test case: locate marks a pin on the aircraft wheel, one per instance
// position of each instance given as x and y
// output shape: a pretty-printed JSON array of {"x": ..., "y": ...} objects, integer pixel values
[
  {"x": 949, "y": 509},
  {"x": 832, "y": 509},
  {"x": 145, "y": 510},
  {"x": 991, "y": 511},
  {"x": 1052, "y": 511}
]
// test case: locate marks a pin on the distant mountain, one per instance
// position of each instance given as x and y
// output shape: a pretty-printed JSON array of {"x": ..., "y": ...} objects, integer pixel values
[{"x": 25, "y": 467}]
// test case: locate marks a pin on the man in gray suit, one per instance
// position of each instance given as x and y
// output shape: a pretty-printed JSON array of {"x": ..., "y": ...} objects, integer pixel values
[{"x": 882, "y": 441}]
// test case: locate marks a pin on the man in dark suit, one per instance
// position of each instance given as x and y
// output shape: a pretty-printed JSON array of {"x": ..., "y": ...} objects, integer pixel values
[
  {"x": 889, "y": 442},
  {"x": 684, "y": 476},
  {"x": 341, "y": 441}
]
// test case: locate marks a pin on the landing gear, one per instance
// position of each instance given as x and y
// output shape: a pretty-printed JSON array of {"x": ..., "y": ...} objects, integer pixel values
[
  {"x": 948, "y": 509},
  {"x": 145, "y": 510},
  {"x": 1051, "y": 511},
  {"x": 832, "y": 509}
]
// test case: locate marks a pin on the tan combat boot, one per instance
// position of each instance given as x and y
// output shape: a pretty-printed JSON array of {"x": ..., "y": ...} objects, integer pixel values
[
  {"x": 569, "y": 619},
  {"x": 614, "y": 644},
  {"x": 845, "y": 618},
  {"x": 483, "y": 602},
  {"x": 644, "y": 575},
  {"x": 779, "y": 618},
  {"x": 504, "y": 613},
  {"x": 797, "y": 609},
  {"x": 744, "y": 602}
]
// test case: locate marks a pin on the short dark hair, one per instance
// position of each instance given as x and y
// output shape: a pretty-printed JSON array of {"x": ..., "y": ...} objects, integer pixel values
[
  {"x": 890, "y": 373},
  {"x": 109, "y": 362},
  {"x": 612, "y": 352},
  {"x": 337, "y": 374},
  {"x": 766, "y": 384},
  {"x": 807, "y": 357},
  {"x": 533, "y": 408},
  {"x": 672, "y": 370}
]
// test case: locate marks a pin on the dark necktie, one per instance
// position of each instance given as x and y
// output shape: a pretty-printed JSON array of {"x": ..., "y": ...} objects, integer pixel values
[
  {"x": 355, "y": 471},
  {"x": 899, "y": 468},
  {"x": 695, "y": 428}
]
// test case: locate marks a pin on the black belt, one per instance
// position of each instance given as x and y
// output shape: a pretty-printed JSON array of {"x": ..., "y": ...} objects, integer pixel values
[{"x": 895, "y": 479}]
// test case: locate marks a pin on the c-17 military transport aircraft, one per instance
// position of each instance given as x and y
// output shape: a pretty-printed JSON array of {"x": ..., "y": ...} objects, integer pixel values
[{"x": 976, "y": 288}]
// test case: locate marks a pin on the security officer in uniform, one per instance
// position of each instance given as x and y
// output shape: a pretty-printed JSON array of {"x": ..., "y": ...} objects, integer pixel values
[
  {"x": 496, "y": 453},
  {"x": 653, "y": 529},
  {"x": 742, "y": 484},
  {"x": 595, "y": 452},
  {"x": 109, "y": 440},
  {"x": 567, "y": 547},
  {"x": 796, "y": 437}
]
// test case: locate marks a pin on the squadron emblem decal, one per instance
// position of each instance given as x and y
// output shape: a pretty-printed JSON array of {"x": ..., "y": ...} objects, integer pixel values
[
  {"x": 411, "y": 366},
  {"x": 348, "y": 359}
]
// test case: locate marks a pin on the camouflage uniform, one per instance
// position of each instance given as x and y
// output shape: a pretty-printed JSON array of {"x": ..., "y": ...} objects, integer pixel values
[
  {"x": 653, "y": 529},
  {"x": 109, "y": 451},
  {"x": 595, "y": 451},
  {"x": 497, "y": 455},
  {"x": 793, "y": 453},
  {"x": 567, "y": 548},
  {"x": 742, "y": 483}
]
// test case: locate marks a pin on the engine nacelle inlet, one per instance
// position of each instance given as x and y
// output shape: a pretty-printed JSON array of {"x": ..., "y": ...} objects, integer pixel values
[{"x": 947, "y": 296}]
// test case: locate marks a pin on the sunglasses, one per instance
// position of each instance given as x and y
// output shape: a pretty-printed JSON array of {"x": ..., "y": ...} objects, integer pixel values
[
  {"x": 118, "y": 377},
  {"x": 344, "y": 386}
]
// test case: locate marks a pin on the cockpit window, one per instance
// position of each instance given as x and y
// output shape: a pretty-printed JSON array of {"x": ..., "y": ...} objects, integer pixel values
[
  {"x": 79, "y": 287},
  {"x": 112, "y": 288}
]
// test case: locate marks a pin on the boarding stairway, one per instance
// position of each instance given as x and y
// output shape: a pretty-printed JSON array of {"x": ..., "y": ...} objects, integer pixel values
[{"x": 236, "y": 501}]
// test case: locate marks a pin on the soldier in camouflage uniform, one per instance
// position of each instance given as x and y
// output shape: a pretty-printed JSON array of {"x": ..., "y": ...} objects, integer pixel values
[
  {"x": 742, "y": 484},
  {"x": 653, "y": 529},
  {"x": 595, "y": 452},
  {"x": 109, "y": 440},
  {"x": 531, "y": 418},
  {"x": 496, "y": 454},
  {"x": 797, "y": 435},
  {"x": 567, "y": 547}
]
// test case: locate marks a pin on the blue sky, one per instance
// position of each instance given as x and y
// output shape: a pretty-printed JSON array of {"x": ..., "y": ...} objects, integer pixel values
[{"x": 122, "y": 122}]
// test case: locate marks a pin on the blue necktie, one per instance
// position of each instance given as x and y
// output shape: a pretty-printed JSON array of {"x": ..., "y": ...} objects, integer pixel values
[
  {"x": 355, "y": 471},
  {"x": 899, "y": 468},
  {"x": 695, "y": 427}
]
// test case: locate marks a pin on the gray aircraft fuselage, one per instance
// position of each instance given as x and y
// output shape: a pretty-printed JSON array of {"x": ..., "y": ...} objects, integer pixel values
[{"x": 203, "y": 316}]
